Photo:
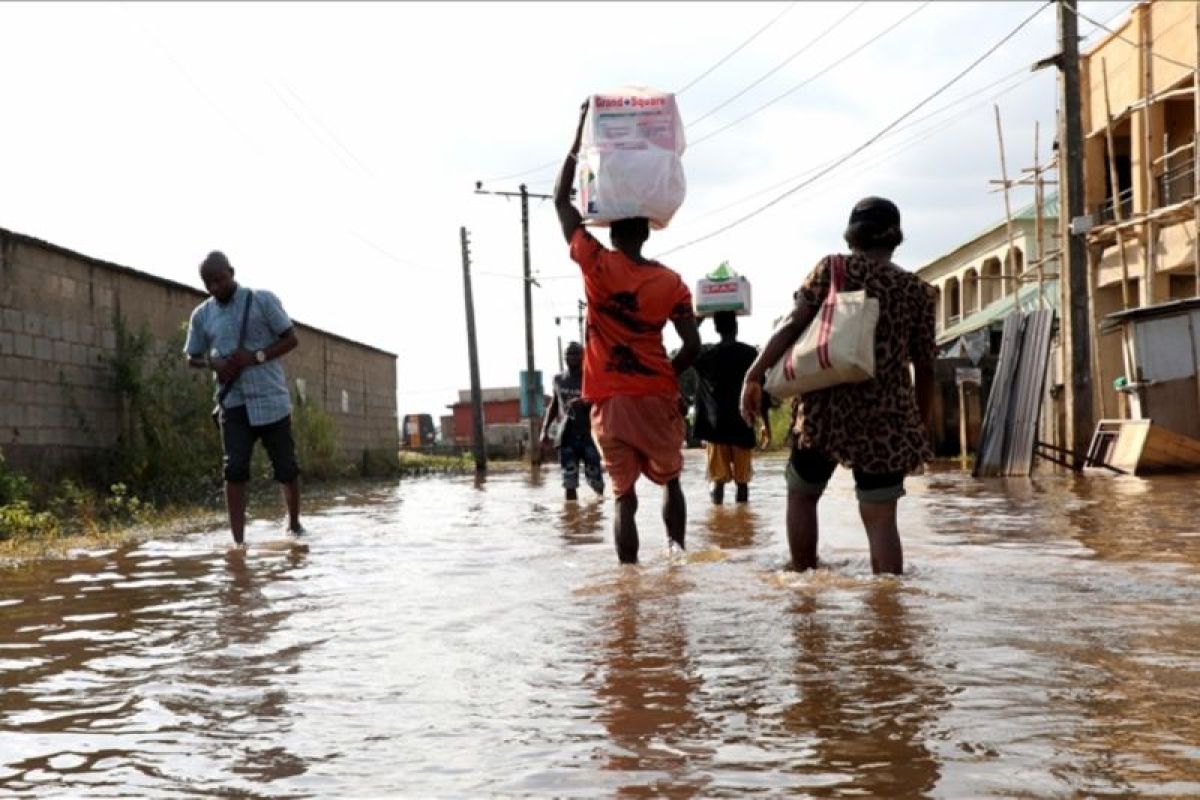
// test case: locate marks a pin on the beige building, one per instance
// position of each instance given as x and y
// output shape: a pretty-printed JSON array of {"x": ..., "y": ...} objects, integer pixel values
[
  {"x": 1139, "y": 192},
  {"x": 978, "y": 284},
  {"x": 988, "y": 268}
]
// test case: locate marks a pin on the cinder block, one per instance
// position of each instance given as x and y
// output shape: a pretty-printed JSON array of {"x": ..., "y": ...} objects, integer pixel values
[
  {"x": 87, "y": 333},
  {"x": 43, "y": 349},
  {"x": 12, "y": 320},
  {"x": 108, "y": 340},
  {"x": 23, "y": 345},
  {"x": 32, "y": 323},
  {"x": 62, "y": 353},
  {"x": 52, "y": 327},
  {"x": 79, "y": 355},
  {"x": 6, "y": 344},
  {"x": 70, "y": 330}
]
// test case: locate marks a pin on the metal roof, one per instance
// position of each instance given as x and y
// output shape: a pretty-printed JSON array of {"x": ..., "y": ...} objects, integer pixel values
[{"x": 1114, "y": 321}]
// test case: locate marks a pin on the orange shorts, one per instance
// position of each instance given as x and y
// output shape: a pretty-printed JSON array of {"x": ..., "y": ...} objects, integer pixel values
[
  {"x": 639, "y": 436},
  {"x": 727, "y": 462}
]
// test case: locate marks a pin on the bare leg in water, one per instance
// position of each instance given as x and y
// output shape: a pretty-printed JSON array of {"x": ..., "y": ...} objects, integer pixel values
[
  {"x": 625, "y": 528},
  {"x": 887, "y": 555},
  {"x": 674, "y": 512},
  {"x": 235, "y": 502},
  {"x": 291, "y": 497},
  {"x": 802, "y": 530}
]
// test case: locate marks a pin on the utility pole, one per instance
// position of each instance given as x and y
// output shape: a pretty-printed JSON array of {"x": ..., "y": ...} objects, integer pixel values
[
  {"x": 1080, "y": 411},
  {"x": 531, "y": 390},
  {"x": 477, "y": 440}
]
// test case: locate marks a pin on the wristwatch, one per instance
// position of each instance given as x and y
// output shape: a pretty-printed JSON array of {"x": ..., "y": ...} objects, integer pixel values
[{"x": 260, "y": 356}]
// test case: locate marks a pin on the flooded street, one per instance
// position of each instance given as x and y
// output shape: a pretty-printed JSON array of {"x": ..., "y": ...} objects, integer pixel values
[{"x": 442, "y": 639}]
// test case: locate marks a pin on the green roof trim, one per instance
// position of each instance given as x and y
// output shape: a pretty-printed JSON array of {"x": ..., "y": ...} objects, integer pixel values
[{"x": 996, "y": 311}]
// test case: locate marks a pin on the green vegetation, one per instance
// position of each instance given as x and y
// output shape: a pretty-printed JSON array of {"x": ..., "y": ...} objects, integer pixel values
[{"x": 165, "y": 463}]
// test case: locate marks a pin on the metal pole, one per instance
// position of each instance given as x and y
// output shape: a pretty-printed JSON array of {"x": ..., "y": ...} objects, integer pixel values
[
  {"x": 1081, "y": 414},
  {"x": 531, "y": 389},
  {"x": 477, "y": 440}
]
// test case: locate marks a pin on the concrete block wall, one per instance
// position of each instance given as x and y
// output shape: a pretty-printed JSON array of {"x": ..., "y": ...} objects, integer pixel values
[{"x": 57, "y": 315}]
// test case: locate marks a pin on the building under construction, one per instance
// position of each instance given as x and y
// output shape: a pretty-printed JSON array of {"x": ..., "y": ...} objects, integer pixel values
[{"x": 1140, "y": 117}]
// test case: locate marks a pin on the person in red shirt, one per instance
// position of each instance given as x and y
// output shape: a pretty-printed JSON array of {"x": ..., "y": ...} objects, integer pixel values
[{"x": 632, "y": 384}]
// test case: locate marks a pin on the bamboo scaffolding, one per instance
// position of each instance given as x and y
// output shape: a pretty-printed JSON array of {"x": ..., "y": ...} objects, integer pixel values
[
  {"x": 1118, "y": 212},
  {"x": 1008, "y": 221},
  {"x": 1038, "y": 188},
  {"x": 1168, "y": 156},
  {"x": 1149, "y": 234}
]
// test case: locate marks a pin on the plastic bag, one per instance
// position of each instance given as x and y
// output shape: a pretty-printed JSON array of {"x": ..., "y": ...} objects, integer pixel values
[{"x": 629, "y": 159}]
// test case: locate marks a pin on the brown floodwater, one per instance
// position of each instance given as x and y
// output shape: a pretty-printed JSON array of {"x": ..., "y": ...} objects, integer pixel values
[{"x": 439, "y": 638}]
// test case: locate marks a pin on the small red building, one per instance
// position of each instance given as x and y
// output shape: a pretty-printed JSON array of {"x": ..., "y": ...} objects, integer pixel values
[{"x": 501, "y": 407}]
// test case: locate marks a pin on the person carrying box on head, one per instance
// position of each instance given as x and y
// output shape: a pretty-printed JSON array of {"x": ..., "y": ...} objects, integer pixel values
[{"x": 633, "y": 386}]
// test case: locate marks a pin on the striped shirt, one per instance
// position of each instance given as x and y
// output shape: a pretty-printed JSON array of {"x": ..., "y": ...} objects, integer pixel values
[{"x": 214, "y": 330}]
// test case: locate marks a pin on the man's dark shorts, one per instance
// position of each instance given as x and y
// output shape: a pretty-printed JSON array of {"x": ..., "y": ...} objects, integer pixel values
[
  {"x": 237, "y": 440},
  {"x": 808, "y": 471}
]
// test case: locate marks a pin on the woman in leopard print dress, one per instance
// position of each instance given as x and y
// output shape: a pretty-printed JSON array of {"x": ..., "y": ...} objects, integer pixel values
[{"x": 877, "y": 428}]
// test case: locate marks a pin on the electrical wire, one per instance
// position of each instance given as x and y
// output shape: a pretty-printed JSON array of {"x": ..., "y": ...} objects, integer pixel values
[
  {"x": 678, "y": 92},
  {"x": 837, "y": 63},
  {"x": 804, "y": 49},
  {"x": 735, "y": 50},
  {"x": 1022, "y": 72},
  {"x": 870, "y": 141}
]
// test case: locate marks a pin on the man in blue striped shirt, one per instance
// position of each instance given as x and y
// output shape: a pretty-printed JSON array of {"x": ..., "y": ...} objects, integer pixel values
[{"x": 257, "y": 405}]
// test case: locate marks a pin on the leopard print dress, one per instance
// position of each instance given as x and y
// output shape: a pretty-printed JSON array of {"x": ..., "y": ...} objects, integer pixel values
[{"x": 875, "y": 425}]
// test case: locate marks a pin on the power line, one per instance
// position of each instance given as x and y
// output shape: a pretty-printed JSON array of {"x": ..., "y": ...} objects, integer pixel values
[
  {"x": 735, "y": 50},
  {"x": 807, "y": 46},
  {"x": 811, "y": 78},
  {"x": 1104, "y": 27},
  {"x": 826, "y": 170},
  {"x": 678, "y": 92},
  {"x": 1023, "y": 72}
]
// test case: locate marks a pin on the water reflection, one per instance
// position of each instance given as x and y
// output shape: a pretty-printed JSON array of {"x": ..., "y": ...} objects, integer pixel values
[
  {"x": 866, "y": 697},
  {"x": 186, "y": 701},
  {"x": 449, "y": 638},
  {"x": 648, "y": 689},
  {"x": 582, "y": 523},
  {"x": 734, "y": 527}
]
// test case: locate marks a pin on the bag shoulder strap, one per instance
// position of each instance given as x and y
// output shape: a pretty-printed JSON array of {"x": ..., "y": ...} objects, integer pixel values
[
  {"x": 837, "y": 275},
  {"x": 245, "y": 318},
  {"x": 224, "y": 391}
]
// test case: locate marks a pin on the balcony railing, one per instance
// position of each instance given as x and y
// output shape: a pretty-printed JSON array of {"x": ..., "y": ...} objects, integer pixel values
[
  {"x": 1107, "y": 210},
  {"x": 1178, "y": 184}
]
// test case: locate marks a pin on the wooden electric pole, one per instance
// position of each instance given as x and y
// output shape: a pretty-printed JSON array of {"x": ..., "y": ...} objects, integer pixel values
[
  {"x": 477, "y": 437},
  {"x": 1080, "y": 411},
  {"x": 531, "y": 389}
]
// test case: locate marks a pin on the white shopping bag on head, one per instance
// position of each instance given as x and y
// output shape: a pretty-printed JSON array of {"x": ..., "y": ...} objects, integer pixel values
[
  {"x": 629, "y": 159},
  {"x": 838, "y": 346}
]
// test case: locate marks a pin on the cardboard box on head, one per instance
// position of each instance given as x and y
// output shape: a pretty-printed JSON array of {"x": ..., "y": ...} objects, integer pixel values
[
  {"x": 630, "y": 158},
  {"x": 722, "y": 290}
]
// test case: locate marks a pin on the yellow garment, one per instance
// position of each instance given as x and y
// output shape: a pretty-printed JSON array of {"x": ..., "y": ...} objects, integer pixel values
[{"x": 729, "y": 463}]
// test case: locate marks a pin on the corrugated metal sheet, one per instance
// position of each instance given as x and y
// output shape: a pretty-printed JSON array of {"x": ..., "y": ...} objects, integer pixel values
[{"x": 1014, "y": 406}]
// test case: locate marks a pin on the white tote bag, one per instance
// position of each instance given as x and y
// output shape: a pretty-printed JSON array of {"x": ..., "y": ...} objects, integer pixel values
[{"x": 837, "y": 347}]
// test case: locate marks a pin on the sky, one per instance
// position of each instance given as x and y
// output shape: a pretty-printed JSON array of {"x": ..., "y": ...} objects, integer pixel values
[{"x": 331, "y": 150}]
